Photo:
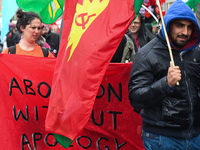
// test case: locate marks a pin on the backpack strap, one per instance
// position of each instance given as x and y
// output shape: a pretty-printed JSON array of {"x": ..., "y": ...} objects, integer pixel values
[
  {"x": 12, "y": 49},
  {"x": 45, "y": 51}
]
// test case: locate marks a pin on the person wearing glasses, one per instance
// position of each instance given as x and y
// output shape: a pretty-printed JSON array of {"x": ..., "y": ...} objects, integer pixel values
[
  {"x": 29, "y": 26},
  {"x": 140, "y": 32},
  {"x": 135, "y": 38}
]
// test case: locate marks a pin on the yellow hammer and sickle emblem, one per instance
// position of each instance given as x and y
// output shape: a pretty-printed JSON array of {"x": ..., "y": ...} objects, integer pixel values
[{"x": 83, "y": 18}]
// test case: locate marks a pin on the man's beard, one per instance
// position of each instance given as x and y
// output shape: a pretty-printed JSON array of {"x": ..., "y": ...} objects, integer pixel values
[{"x": 179, "y": 44}]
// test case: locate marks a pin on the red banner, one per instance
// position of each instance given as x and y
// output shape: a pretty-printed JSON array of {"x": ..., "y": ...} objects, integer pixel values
[{"x": 25, "y": 90}]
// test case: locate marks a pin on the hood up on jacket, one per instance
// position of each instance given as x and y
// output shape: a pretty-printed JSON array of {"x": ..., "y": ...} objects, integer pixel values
[{"x": 179, "y": 10}]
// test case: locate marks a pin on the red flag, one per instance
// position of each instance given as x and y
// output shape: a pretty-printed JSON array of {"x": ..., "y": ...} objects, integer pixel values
[{"x": 92, "y": 31}]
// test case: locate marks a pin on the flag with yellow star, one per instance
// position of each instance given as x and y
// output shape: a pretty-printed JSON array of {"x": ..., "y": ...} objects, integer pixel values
[{"x": 48, "y": 10}]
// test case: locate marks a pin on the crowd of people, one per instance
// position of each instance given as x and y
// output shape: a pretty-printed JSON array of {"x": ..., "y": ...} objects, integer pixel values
[
  {"x": 165, "y": 95},
  {"x": 138, "y": 34}
]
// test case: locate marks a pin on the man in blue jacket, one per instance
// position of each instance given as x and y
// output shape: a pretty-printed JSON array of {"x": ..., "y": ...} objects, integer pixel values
[{"x": 170, "y": 112}]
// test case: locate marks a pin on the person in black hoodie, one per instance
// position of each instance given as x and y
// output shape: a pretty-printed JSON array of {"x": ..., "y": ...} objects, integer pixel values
[{"x": 170, "y": 111}]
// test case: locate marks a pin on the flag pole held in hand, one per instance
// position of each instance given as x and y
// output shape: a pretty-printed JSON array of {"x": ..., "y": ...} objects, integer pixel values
[{"x": 166, "y": 35}]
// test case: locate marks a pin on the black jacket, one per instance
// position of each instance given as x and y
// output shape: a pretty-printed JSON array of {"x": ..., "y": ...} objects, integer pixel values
[
  {"x": 53, "y": 39},
  {"x": 165, "y": 111}
]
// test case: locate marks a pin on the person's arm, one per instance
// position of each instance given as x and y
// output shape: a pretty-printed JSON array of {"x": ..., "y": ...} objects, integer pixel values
[
  {"x": 129, "y": 50},
  {"x": 144, "y": 89}
]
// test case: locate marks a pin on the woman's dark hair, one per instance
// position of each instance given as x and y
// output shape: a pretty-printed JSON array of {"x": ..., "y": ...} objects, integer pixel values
[{"x": 25, "y": 18}]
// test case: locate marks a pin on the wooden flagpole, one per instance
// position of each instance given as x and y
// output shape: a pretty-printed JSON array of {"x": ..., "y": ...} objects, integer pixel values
[{"x": 166, "y": 36}]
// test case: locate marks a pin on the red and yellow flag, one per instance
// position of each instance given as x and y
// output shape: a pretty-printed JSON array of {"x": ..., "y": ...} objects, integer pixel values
[{"x": 92, "y": 31}]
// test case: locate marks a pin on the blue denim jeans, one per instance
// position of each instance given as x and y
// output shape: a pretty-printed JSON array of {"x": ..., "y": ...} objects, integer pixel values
[{"x": 159, "y": 142}]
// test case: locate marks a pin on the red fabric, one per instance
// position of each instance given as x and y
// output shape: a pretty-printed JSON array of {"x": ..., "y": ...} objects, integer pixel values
[
  {"x": 162, "y": 1},
  {"x": 124, "y": 131},
  {"x": 23, "y": 132},
  {"x": 137, "y": 42},
  {"x": 152, "y": 2},
  {"x": 80, "y": 68},
  {"x": 147, "y": 14},
  {"x": 147, "y": 4}
]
